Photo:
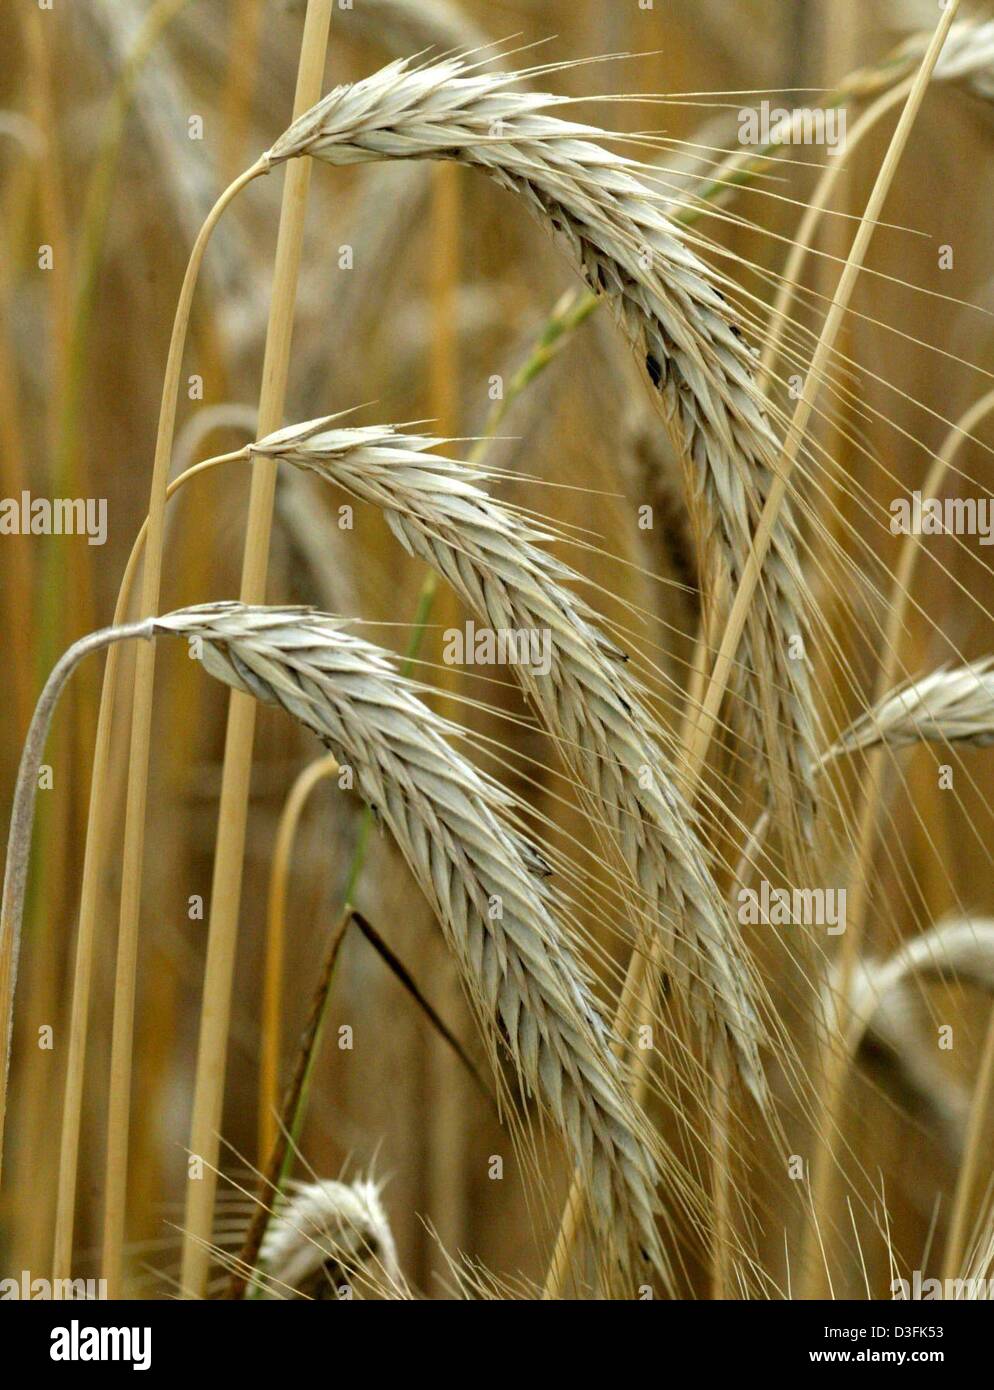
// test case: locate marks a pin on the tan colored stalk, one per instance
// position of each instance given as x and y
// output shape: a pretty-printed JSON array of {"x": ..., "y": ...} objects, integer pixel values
[
  {"x": 95, "y": 857},
  {"x": 446, "y": 1147},
  {"x": 233, "y": 810},
  {"x": 19, "y": 569},
  {"x": 97, "y": 832},
  {"x": 974, "y": 1157},
  {"x": 54, "y": 615},
  {"x": 837, "y": 1064},
  {"x": 779, "y": 318},
  {"x": 984, "y": 1085},
  {"x": 272, "y": 990},
  {"x": 813, "y": 214},
  {"x": 119, "y": 1104},
  {"x": 699, "y": 743}
]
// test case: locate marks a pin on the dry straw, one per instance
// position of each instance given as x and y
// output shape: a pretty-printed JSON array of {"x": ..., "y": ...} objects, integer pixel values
[
  {"x": 226, "y": 884},
  {"x": 671, "y": 307},
  {"x": 588, "y": 700}
]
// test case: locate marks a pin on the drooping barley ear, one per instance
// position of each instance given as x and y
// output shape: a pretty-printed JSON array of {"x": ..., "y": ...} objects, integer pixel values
[
  {"x": 947, "y": 706},
  {"x": 957, "y": 950},
  {"x": 587, "y": 699},
  {"x": 944, "y": 707},
  {"x": 324, "y": 1236},
  {"x": 880, "y": 1020},
  {"x": 454, "y": 826},
  {"x": 15, "y": 872},
  {"x": 673, "y": 311},
  {"x": 451, "y": 823}
]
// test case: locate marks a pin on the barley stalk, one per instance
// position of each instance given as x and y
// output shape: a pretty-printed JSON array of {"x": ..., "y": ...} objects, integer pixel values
[
  {"x": 119, "y": 1105},
  {"x": 233, "y": 808},
  {"x": 19, "y": 834},
  {"x": 94, "y": 861}
]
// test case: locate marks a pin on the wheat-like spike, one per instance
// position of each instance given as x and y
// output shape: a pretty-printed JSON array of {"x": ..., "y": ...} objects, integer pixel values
[
  {"x": 670, "y": 306},
  {"x": 967, "y": 57},
  {"x": 947, "y": 706},
  {"x": 484, "y": 881},
  {"x": 324, "y": 1234},
  {"x": 967, "y": 60},
  {"x": 587, "y": 700}
]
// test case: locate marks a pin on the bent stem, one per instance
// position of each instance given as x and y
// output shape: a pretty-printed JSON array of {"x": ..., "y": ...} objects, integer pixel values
[
  {"x": 122, "y": 1043},
  {"x": 21, "y": 825},
  {"x": 94, "y": 861},
  {"x": 272, "y": 987},
  {"x": 641, "y": 974}
]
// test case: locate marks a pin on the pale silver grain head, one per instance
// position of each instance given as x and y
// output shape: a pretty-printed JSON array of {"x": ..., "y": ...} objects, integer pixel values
[
  {"x": 588, "y": 699},
  {"x": 453, "y": 825},
  {"x": 328, "y": 1237},
  {"x": 945, "y": 707},
  {"x": 673, "y": 309}
]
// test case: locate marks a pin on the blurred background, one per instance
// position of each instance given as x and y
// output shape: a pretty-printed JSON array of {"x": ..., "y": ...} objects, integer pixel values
[{"x": 419, "y": 285}]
